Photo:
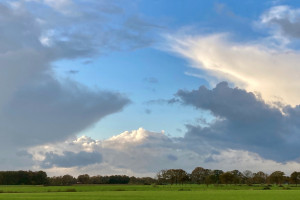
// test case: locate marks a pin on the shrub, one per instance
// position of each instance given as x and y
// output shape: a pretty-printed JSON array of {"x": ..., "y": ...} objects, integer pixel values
[
  {"x": 71, "y": 190},
  {"x": 266, "y": 188}
]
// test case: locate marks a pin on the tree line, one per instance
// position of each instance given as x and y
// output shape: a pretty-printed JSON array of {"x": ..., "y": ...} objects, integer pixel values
[
  {"x": 41, "y": 178},
  {"x": 169, "y": 176},
  {"x": 207, "y": 176},
  {"x": 86, "y": 179},
  {"x": 23, "y": 178}
]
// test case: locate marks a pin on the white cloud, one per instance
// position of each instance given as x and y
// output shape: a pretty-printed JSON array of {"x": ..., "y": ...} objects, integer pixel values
[
  {"x": 146, "y": 155},
  {"x": 254, "y": 66},
  {"x": 138, "y": 152},
  {"x": 244, "y": 160},
  {"x": 135, "y": 137}
]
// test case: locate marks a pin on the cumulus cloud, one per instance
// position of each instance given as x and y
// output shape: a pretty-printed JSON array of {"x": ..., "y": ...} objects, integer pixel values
[
  {"x": 143, "y": 153},
  {"x": 137, "y": 152},
  {"x": 244, "y": 121}
]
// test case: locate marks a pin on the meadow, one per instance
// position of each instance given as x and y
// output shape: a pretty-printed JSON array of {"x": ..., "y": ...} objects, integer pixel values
[{"x": 149, "y": 192}]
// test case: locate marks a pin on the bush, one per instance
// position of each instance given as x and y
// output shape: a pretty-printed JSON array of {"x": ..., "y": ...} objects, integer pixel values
[
  {"x": 266, "y": 188},
  {"x": 184, "y": 189},
  {"x": 71, "y": 190},
  {"x": 119, "y": 189}
]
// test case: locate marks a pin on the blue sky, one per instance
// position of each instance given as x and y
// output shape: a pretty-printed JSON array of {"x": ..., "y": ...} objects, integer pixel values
[
  {"x": 128, "y": 71},
  {"x": 206, "y": 83}
]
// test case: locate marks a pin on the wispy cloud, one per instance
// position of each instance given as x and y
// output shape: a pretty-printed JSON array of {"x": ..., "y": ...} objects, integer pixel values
[{"x": 272, "y": 72}]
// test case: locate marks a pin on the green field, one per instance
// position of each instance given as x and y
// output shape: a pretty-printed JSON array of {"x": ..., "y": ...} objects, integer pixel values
[{"x": 179, "y": 192}]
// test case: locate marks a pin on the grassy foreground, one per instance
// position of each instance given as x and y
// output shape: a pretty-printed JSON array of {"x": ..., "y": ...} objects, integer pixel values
[
  {"x": 159, "y": 195},
  {"x": 132, "y": 192}
]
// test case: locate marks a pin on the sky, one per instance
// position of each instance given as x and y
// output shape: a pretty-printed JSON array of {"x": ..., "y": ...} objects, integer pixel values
[{"x": 135, "y": 86}]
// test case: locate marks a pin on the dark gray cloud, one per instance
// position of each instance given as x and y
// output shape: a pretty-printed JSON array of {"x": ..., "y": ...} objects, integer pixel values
[
  {"x": 37, "y": 108},
  {"x": 289, "y": 28},
  {"x": 21, "y": 54},
  {"x": 244, "y": 121},
  {"x": 46, "y": 111},
  {"x": 71, "y": 159},
  {"x": 284, "y": 18}
]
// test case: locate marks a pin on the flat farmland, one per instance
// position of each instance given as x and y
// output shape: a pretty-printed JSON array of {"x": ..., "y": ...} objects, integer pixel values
[{"x": 137, "y": 192}]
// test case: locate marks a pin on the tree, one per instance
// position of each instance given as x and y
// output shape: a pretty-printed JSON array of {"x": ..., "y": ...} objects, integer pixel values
[
  {"x": 105, "y": 179},
  {"x": 68, "y": 180},
  {"x": 277, "y": 177},
  {"x": 295, "y": 178},
  {"x": 182, "y": 176},
  {"x": 161, "y": 177},
  {"x": 119, "y": 179},
  {"x": 96, "y": 179},
  {"x": 199, "y": 175},
  {"x": 142, "y": 181},
  {"x": 216, "y": 175},
  {"x": 40, "y": 178},
  {"x": 237, "y": 176},
  {"x": 210, "y": 179},
  {"x": 172, "y": 176},
  {"x": 1, "y": 179},
  {"x": 227, "y": 178},
  {"x": 260, "y": 178},
  {"x": 23, "y": 178},
  {"x": 84, "y": 178},
  {"x": 248, "y": 177}
]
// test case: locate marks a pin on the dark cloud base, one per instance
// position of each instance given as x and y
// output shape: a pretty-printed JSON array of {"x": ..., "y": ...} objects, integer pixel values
[
  {"x": 71, "y": 159},
  {"x": 245, "y": 122}
]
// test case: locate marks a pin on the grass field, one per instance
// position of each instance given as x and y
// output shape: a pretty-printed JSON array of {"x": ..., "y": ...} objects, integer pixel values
[{"x": 137, "y": 192}]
